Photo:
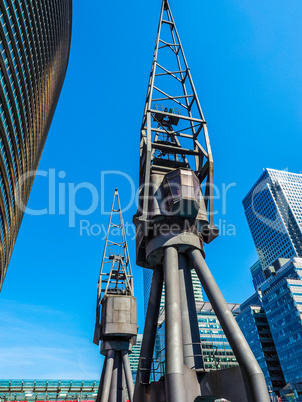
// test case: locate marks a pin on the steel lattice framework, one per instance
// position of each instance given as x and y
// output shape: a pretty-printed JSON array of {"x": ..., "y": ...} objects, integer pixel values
[
  {"x": 116, "y": 274},
  {"x": 173, "y": 221},
  {"x": 172, "y": 100},
  {"x": 115, "y": 326}
]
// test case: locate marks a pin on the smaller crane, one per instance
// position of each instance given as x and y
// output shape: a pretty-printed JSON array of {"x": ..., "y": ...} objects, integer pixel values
[{"x": 116, "y": 325}]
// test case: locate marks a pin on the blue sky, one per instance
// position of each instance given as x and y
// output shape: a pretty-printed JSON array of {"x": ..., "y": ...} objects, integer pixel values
[{"x": 246, "y": 62}]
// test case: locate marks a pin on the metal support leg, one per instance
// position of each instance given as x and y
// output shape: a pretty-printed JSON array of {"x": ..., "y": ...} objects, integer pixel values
[
  {"x": 120, "y": 385},
  {"x": 98, "y": 398},
  {"x": 241, "y": 349},
  {"x": 190, "y": 329},
  {"x": 108, "y": 376},
  {"x": 144, "y": 368},
  {"x": 174, "y": 378},
  {"x": 116, "y": 388},
  {"x": 125, "y": 399},
  {"x": 128, "y": 374}
]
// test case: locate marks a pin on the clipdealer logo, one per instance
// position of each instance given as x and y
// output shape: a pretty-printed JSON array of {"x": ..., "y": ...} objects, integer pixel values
[{"x": 66, "y": 199}]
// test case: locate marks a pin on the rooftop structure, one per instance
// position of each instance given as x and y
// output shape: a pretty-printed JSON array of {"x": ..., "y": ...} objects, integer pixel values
[{"x": 48, "y": 390}]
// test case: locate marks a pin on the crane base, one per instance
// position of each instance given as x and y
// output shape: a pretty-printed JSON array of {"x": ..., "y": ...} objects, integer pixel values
[{"x": 227, "y": 383}]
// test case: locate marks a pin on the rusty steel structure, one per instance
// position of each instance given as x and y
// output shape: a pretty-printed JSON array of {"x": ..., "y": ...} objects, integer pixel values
[
  {"x": 173, "y": 221},
  {"x": 116, "y": 325}
]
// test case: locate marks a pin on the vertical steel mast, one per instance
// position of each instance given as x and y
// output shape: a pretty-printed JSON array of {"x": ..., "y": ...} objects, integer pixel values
[
  {"x": 173, "y": 221},
  {"x": 115, "y": 326}
]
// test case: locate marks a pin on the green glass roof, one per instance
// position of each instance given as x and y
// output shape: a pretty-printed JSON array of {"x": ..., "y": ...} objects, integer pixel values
[{"x": 48, "y": 390}]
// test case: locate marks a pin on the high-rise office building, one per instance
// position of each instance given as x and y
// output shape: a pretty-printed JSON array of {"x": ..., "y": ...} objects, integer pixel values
[
  {"x": 134, "y": 355},
  {"x": 216, "y": 351},
  {"x": 277, "y": 302},
  {"x": 273, "y": 208},
  {"x": 282, "y": 302},
  {"x": 254, "y": 326},
  {"x": 257, "y": 273},
  {"x": 271, "y": 319},
  {"x": 34, "y": 44},
  {"x": 147, "y": 280},
  {"x": 196, "y": 287}
]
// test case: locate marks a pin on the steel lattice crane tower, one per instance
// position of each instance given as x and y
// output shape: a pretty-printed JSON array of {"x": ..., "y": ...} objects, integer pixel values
[
  {"x": 173, "y": 221},
  {"x": 116, "y": 325}
]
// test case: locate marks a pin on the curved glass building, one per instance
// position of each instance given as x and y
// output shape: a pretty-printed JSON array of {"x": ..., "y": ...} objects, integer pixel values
[{"x": 34, "y": 45}]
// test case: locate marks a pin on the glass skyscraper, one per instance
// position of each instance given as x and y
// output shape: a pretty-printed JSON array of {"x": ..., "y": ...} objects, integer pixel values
[
  {"x": 134, "y": 355},
  {"x": 273, "y": 208},
  {"x": 278, "y": 301},
  {"x": 216, "y": 351},
  {"x": 271, "y": 319},
  {"x": 34, "y": 44},
  {"x": 147, "y": 280},
  {"x": 254, "y": 326},
  {"x": 257, "y": 273},
  {"x": 282, "y": 302}
]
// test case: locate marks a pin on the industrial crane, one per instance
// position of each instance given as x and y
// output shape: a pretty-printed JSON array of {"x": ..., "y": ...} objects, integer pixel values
[
  {"x": 116, "y": 325},
  {"x": 173, "y": 221}
]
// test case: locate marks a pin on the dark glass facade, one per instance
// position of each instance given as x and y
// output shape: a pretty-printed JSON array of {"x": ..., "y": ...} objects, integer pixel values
[
  {"x": 273, "y": 209},
  {"x": 134, "y": 356},
  {"x": 282, "y": 302},
  {"x": 254, "y": 326},
  {"x": 271, "y": 321},
  {"x": 216, "y": 351},
  {"x": 34, "y": 44},
  {"x": 257, "y": 273}
]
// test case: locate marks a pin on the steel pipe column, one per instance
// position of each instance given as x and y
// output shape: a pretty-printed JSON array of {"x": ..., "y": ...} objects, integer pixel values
[
  {"x": 238, "y": 343},
  {"x": 174, "y": 378},
  {"x": 116, "y": 388},
  {"x": 125, "y": 399},
  {"x": 128, "y": 374},
  {"x": 98, "y": 397},
  {"x": 146, "y": 354},
  {"x": 190, "y": 330},
  {"x": 108, "y": 376}
]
